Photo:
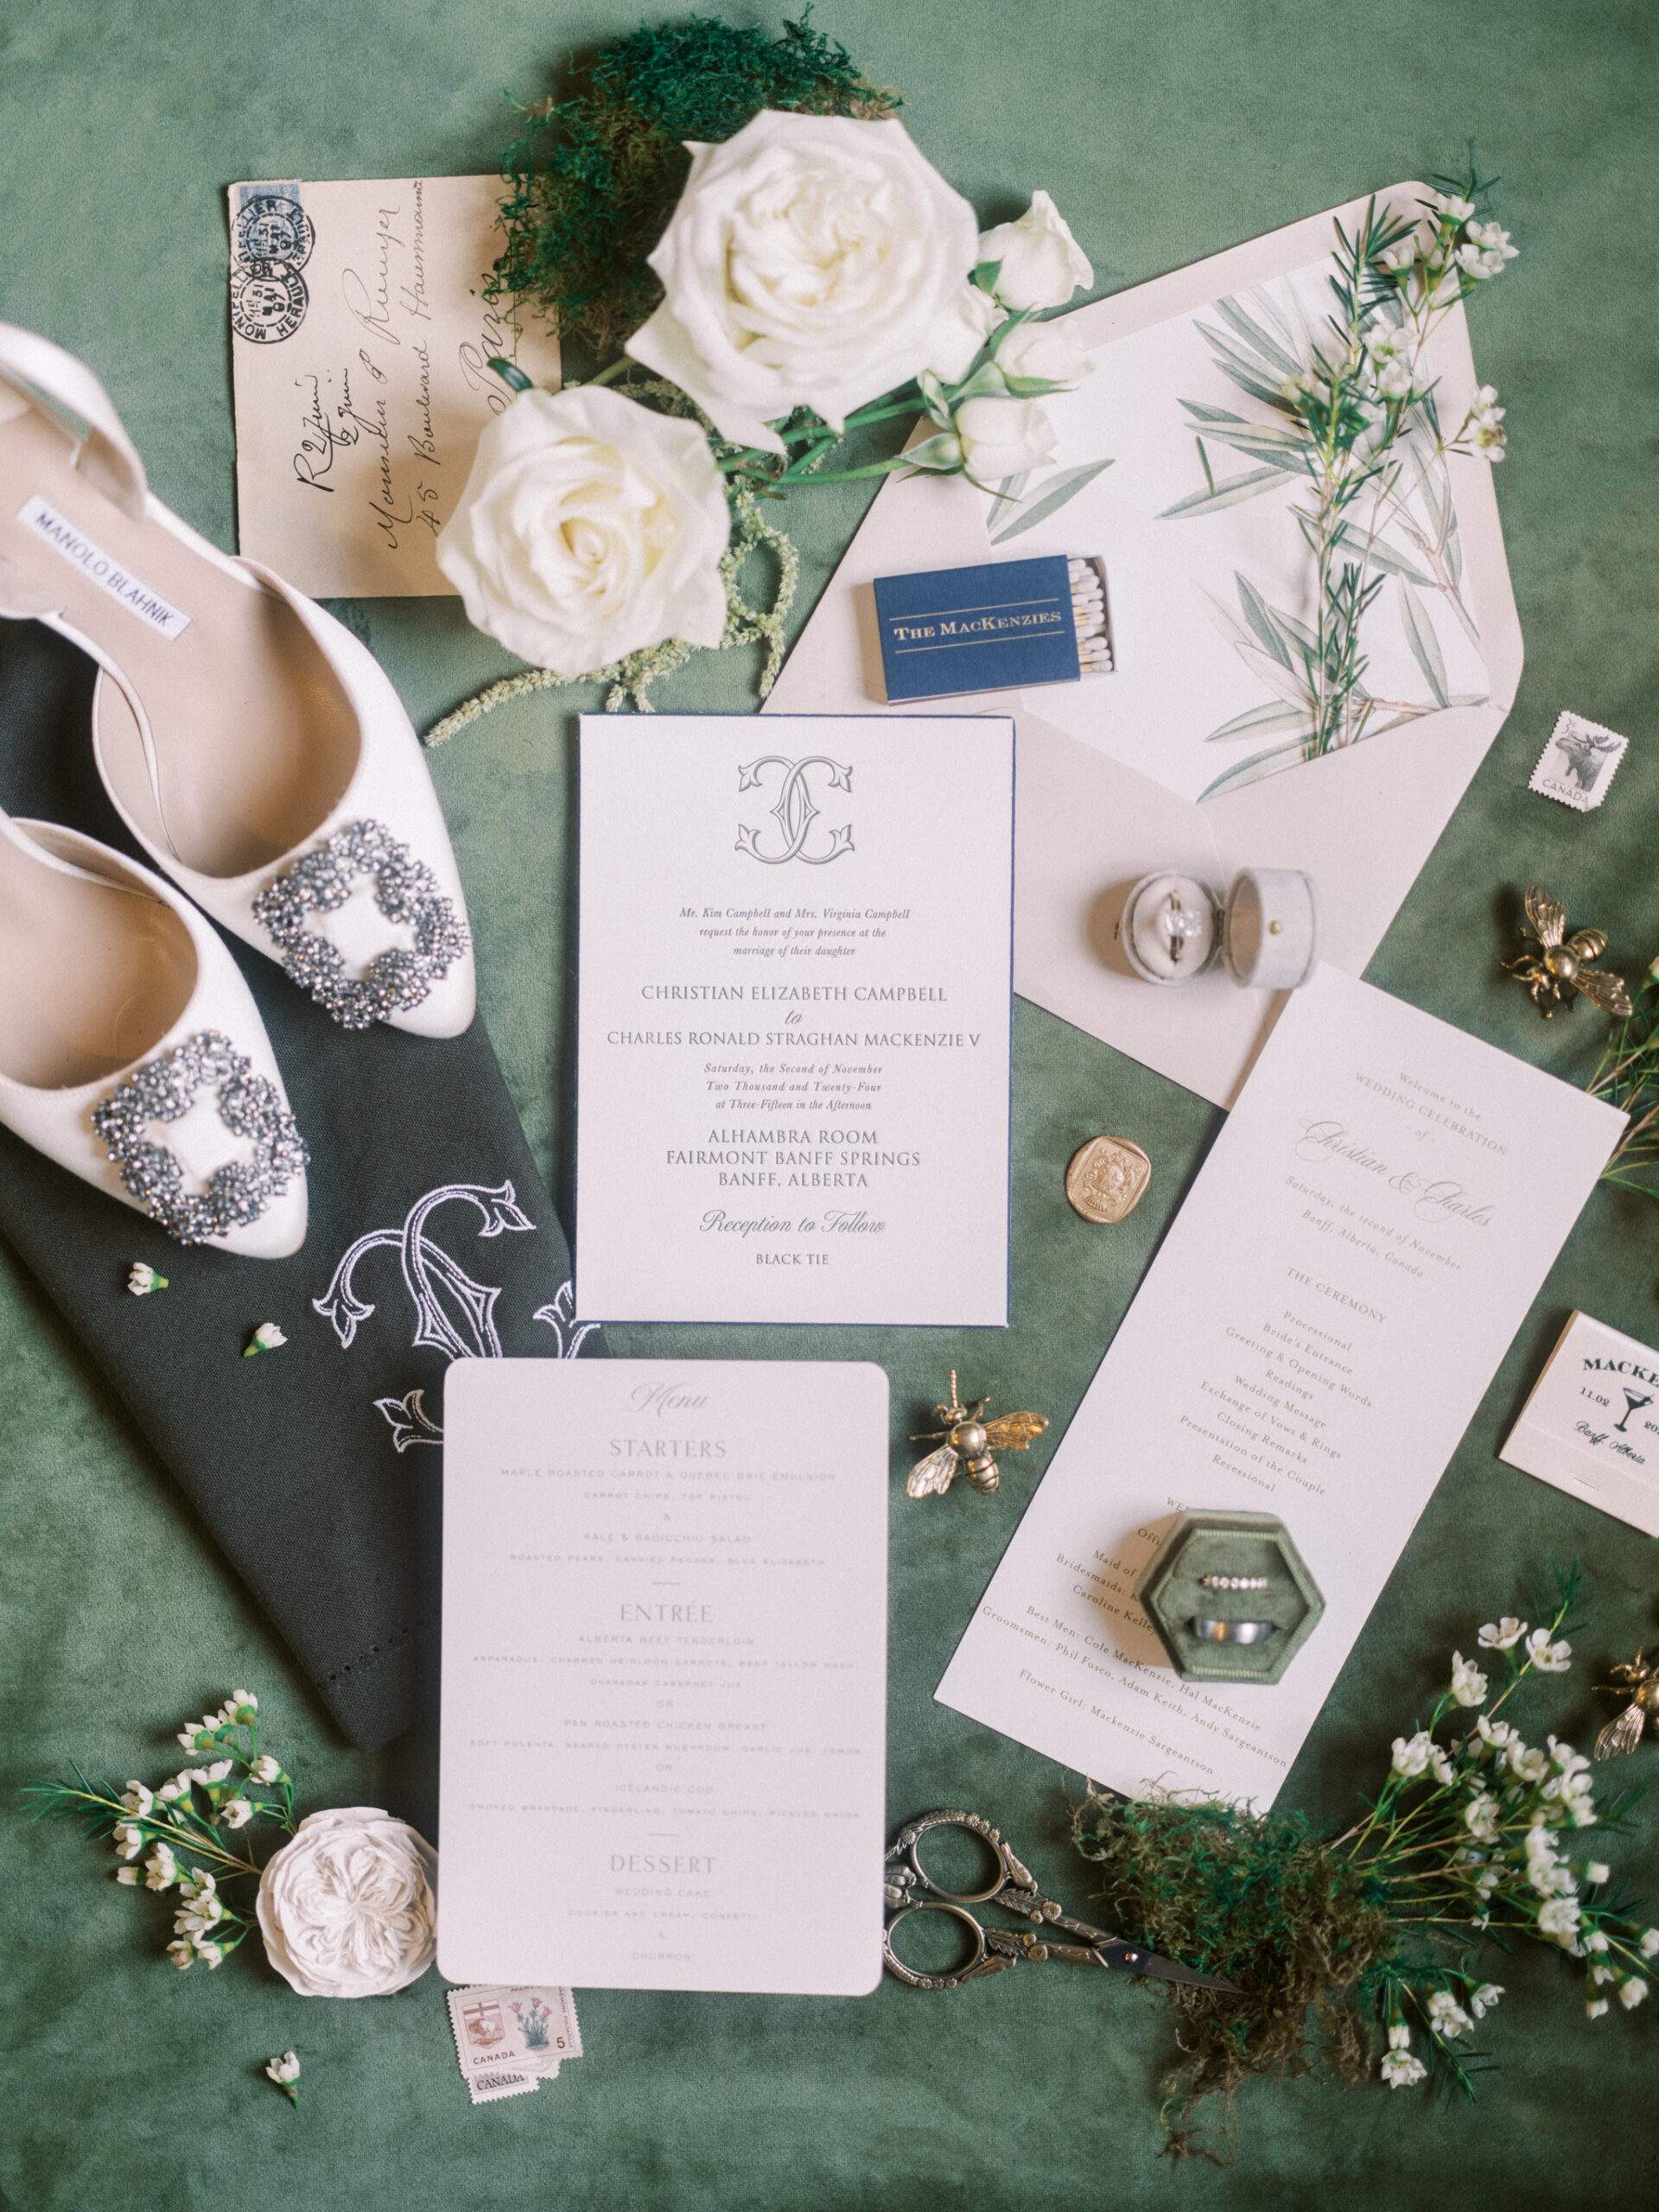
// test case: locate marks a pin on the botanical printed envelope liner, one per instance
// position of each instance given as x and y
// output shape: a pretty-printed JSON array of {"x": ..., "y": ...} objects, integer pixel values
[{"x": 1174, "y": 464}]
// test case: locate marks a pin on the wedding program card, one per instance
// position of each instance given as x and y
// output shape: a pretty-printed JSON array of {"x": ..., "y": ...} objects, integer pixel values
[
  {"x": 1589, "y": 1425},
  {"x": 664, "y": 1674},
  {"x": 792, "y": 1078},
  {"x": 1314, "y": 1335},
  {"x": 360, "y": 345}
]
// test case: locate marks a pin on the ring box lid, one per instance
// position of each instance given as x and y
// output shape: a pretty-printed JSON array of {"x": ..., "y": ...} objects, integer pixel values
[{"x": 1172, "y": 1594}]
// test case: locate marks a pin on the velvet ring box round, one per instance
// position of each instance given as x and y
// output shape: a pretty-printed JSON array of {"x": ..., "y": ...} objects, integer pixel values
[{"x": 1230, "y": 1549}]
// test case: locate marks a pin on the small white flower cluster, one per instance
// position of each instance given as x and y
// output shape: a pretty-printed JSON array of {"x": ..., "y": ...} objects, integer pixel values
[
  {"x": 1449, "y": 252},
  {"x": 142, "y": 1279},
  {"x": 237, "y": 1710},
  {"x": 1389, "y": 369},
  {"x": 200, "y": 1910}
]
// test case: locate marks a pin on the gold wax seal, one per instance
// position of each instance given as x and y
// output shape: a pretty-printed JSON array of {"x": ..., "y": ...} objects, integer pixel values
[{"x": 1108, "y": 1179}]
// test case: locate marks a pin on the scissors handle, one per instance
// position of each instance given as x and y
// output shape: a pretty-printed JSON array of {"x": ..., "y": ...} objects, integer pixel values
[{"x": 907, "y": 1872}]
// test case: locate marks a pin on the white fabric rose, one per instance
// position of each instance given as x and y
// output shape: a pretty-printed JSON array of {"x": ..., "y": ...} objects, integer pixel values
[
  {"x": 346, "y": 1908},
  {"x": 1002, "y": 438},
  {"x": 957, "y": 331},
  {"x": 1042, "y": 265},
  {"x": 1042, "y": 350},
  {"x": 803, "y": 265},
  {"x": 590, "y": 528}
]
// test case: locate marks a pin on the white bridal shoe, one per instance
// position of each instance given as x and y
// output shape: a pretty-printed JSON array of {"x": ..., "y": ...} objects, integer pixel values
[
  {"x": 131, "y": 1052},
  {"x": 253, "y": 748}
]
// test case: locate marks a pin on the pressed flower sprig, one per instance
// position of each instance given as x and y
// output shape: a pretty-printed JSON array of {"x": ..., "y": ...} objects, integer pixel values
[
  {"x": 1363, "y": 421},
  {"x": 183, "y": 1829},
  {"x": 1472, "y": 1836}
]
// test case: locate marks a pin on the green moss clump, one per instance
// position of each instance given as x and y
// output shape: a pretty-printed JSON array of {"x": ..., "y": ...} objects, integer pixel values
[
  {"x": 595, "y": 177},
  {"x": 1263, "y": 1901}
]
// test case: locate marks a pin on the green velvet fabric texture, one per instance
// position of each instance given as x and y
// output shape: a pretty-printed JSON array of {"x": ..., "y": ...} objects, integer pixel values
[{"x": 1166, "y": 133}]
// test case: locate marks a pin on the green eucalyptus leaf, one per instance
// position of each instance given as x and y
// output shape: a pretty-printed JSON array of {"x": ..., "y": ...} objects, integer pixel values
[
  {"x": 1050, "y": 500},
  {"x": 1424, "y": 645},
  {"x": 510, "y": 373},
  {"x": 1229, "y": 493}
]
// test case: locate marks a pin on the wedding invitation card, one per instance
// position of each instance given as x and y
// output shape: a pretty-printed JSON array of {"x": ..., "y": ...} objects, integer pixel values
[
  {"x": 1317, "y": 1330},
  {"x": 792, "y": 1072},
  {"x": 664, "y": 1674}
]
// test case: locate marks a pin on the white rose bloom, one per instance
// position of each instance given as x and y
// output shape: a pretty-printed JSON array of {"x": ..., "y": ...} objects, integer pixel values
[
  {"x": 347, "y": 1909},
  {"x": 1045, "y": 350},
  {"x": 957, "y": 331},
  {"x": 1002, "y": 438},
  {"x": 803, "y": 265},
  {"x": 1042, "y": 265},
  {"x": 589, "y": 528}
]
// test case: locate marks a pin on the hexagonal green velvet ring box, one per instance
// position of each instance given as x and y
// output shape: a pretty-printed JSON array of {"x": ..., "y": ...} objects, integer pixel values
[{"x": 1185, "y": 1607}]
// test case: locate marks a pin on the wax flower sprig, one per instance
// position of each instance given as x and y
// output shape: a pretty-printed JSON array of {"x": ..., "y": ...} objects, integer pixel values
[
  {"x": 1475, "y": 1835},
  {"x": 1361, "y": 420},
  {"x": 1627, "y": 1076},
  {"x": 183, "y": 1832}
]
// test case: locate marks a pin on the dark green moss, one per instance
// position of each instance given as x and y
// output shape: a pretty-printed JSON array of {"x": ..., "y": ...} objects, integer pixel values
[
  {"x": 595, "y": 176},
  {"x": 1264, "y": 1901}
]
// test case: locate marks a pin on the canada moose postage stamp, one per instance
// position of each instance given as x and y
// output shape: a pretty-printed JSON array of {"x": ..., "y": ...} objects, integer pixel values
[{"x": 1578, "y": 763}]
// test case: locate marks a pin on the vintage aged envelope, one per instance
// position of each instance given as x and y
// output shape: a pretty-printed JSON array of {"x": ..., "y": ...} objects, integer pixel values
[
  {"x": 360, "y": 346},
  {"x": 1089, "y": 820}
]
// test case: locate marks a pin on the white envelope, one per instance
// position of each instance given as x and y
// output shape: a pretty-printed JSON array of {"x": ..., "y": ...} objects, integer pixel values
[{"x": 1361, "y": 822}]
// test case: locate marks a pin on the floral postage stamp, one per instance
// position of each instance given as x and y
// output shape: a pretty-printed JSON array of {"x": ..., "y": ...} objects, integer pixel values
[
  {"x": 1578, "y": 763},
  {"x": 510, "y": 2041}
]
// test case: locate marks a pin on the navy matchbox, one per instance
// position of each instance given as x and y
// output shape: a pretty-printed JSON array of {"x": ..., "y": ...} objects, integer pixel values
[{"x": 998, "y": 627}]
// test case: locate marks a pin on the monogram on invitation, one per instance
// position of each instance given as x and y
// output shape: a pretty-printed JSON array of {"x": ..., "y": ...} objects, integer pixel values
[{"x": 792, "y": 1091}]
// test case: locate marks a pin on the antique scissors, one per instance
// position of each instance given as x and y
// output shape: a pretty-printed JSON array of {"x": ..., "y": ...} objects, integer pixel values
[{"x": 910, "y": 1889}]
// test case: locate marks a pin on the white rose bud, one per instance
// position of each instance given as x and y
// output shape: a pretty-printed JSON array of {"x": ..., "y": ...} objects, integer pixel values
[
  {"x": 1002, "y": 438},
  {"x": 590, "y": 528},
  {"x": 1042, "y": 265},
  {"x": 1045, "y": 351},
  {"x": 958, "y": 330},
  {"x": 803, "y": 265},
  {"x": 347, "y": 1909}
]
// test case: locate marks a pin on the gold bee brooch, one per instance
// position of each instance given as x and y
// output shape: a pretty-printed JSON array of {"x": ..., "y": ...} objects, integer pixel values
[
  {"x": 1637, "y": 1680},
  {"x": 1552, "y": 964},
  {"x": 968, "y": 1441}
]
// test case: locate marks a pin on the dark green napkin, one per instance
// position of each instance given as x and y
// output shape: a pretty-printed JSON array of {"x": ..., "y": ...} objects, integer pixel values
[{"x": 316, "y": 1466}]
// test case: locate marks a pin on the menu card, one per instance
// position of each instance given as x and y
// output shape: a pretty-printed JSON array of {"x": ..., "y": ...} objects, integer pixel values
[
  {"x": 1314, "y": 1335},
  {"x": 664, "y": 1674},
  {"x": 793, "y": 1065}
]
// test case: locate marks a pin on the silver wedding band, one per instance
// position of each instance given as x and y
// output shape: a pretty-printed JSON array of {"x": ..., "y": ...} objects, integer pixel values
[{"x": 1233, "y": 1632}]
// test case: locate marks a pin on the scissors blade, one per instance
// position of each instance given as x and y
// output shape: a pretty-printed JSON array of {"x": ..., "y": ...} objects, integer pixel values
[{"x": 1133, "y": 1958}]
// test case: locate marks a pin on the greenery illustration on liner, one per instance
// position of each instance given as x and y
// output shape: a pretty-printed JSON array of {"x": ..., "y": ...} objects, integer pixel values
[
  {"x": 1360, "y": 1954},
  {"x": 760, "y": 266},
  {"x": 1354, "y": 424}
]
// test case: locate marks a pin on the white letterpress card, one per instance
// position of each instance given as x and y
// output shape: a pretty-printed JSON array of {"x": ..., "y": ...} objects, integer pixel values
[
  {"x": 361, "y": 342},
  {"x": 793, "y": 1076},
  {"x": 1589, "y": 1426},
  {"x": 664, "y": 1674},
  {"x": 1314, "y": 1335},
  {"x": 1578, "y": 763}
]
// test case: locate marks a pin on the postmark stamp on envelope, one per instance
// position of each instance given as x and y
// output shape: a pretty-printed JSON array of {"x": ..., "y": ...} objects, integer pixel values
[{"x": 1578, "y": 763}]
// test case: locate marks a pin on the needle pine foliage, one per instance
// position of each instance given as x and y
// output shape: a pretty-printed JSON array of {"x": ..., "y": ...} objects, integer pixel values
[{"x": 594, "y": 177}]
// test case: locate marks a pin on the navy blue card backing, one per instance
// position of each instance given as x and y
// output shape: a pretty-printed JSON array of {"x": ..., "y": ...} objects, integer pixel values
[{"x": 998, "y": 627}]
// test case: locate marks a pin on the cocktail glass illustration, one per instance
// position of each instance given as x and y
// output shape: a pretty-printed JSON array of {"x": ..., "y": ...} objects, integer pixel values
[{"x": 1633, "y": 1404}]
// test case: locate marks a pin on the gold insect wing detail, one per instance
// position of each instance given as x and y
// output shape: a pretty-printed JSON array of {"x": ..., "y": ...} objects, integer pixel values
[
  {"x": 967, "y": 1443},
  {"x": 1638, "y": 1679},
  {"x": 1553, "y": 965}
]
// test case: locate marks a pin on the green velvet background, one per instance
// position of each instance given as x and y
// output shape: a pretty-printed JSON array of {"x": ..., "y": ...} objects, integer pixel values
[{"x": 1167, "y": 132}]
